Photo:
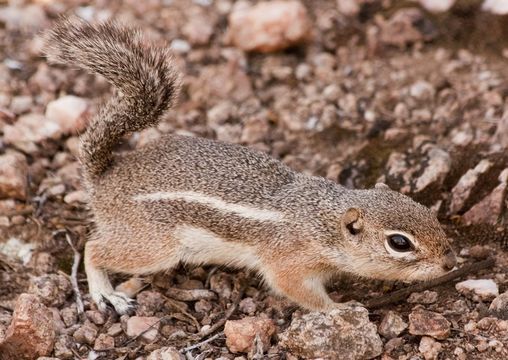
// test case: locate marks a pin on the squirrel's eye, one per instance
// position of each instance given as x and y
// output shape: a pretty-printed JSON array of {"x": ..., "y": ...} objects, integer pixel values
[{"x": 400, "y": 243}]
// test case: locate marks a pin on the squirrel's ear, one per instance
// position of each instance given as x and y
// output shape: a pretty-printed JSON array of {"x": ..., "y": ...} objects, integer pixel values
[
  {"x": 353, "y": 220},
  {"x": 381, "y": 186}
]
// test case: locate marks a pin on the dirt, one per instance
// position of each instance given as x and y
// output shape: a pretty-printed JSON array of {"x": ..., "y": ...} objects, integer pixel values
[{"x": 337, "y": 106}]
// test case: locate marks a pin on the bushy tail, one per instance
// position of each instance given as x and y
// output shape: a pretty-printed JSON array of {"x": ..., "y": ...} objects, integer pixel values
[{"x": 143, "y": 74}]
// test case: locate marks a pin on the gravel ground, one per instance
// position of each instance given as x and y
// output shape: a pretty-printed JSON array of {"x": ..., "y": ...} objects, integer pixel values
[{"x": 361, "y": 92}]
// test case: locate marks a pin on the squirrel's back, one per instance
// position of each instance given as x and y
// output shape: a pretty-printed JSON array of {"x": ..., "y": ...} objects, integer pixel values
[{"x": 143, "y": 74}]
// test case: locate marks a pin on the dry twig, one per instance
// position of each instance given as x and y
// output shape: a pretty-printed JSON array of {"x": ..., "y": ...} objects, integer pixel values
[
  {"x": 403, "y": 293},
  {"x": 74, "y": 275}
]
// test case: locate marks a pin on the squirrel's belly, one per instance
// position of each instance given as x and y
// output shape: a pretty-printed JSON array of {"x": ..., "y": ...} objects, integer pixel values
[{"x": 201, "y": 246}]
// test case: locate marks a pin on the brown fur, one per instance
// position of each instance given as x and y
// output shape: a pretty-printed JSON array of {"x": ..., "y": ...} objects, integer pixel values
[{"x": 200, "y": 201}]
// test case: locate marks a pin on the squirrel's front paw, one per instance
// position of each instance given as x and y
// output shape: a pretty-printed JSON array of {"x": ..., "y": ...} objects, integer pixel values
[{"x": 119, "y": 301}]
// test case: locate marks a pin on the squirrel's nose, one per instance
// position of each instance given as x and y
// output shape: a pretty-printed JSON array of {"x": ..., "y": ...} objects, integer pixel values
[{"x": 449, "y": 260}]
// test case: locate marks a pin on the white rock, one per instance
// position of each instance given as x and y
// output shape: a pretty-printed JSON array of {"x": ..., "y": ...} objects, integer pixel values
[
  {"x": 180, "y": 46},
  {"x": 437, "y": 5},
  {"x": 76, "y": 196},
  {"x": 69, "y": 112},
  {"x": 483, "y": 289},
  {"x": 165, "y": 353},
  {"x": 269, "y": 26},
  {"x": 437, "y": 168},
  {"x": 498, "y": 7},
  {"x": 429, "y": 347},
  {"x": 422, "y": 90}
]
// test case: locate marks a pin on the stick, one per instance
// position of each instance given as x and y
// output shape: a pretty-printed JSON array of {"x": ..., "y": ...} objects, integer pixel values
[
  {"x": 401, "y": 294},
  {"x": 195, "y": 346},
  {"x": 74, "y": 276}
]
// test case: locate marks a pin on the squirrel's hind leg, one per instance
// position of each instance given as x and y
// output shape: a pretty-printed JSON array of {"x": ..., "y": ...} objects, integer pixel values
[{"x": 100, "y": 287}]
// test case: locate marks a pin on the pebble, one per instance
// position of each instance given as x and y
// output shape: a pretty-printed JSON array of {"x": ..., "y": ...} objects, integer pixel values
[
  {"x": 31, "y": 332},
  {"x": 77, "y": 196},
  {"x": 29, "y": 130},
  {"x": 69, "y": 113},
  {"x": 498, "y": 7},
  {"x": 437, "y": 6},
  {"x": 104, "y": 342},
  {"x": 165, "y": 353},
  {"x": 426, "y": 297},
  {"x": 424, "y": 322},
  {"x": 478, "y": 290},
  {"x": 406, "y": 26},
  {"x": 136, "y": 325},
  {"x": 13, "y": 175},
  {"x": 269, "y": 26},
  {"x": 52, "y": 289},
  {"x": 247, "y": 306},
  {"x": 324, "y": 335},
  {"x": 149, "y": 303},
  {"x": 241, "y": 334},
  {"x": 422, "y": 90},
  {"x": 21, "y": 104},
  {"x": 86, "y": 333},
  {"x": 499, "y": 306},
  {"x": 392, "y": 325},
  {"x": 430, "y": 348}
]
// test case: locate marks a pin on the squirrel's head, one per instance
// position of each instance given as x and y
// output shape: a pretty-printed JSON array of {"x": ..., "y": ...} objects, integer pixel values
[{"x": 389, "y": 236}]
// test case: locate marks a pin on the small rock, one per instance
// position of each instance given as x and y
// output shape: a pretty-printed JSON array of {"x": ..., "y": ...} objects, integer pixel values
[
  {"x": 21, "y": 104},
  {"x": 499, "y": 306},
  {"x": 439, "y": 164},
  {"x": 392, "y": 325},
  {"x": 241, "y": 334},
  {"x": 480, "y": 252},
  {"x": 31, "y": 332},
  {"x": 30, "y": 18},
  {"x": 69, "y": 315},
  {"x": 423, "y": 322},
  {"x": 221, "y": 284},
  {"x": 425, "y": 297},
  {"x": 190, "y": 295},
  {"x": 69, "y": 113},
  {"x": 203, "y": 306},
  {"x": 478, "y": 290},
  {"x": 247, "y": 306},
  {"x": 52, "y": 289},
  {"x": 149, "y": 302},
  {"x": 198, "y": 30},
  {"x": 406, "y": 26},
  {"x": 29, "y": 130},
  {"x": 498, "y": 7},
  {"x": 430, "y": 348},
  {"x": 86, "y": 334},
  {"x": 422, "y": 90},
  {"x": 63, "y": 347},
  {"x": 13, "y": 175},
  {"x": 104, "y": 342},
  {"x": 325, "y": 335},
  {"x": 437, "y": 6},
  {"x": 269, "y": 26},
  {"x": 165, "y": 353},
  {"x": 147, "y": 326},
  {"x": 489, "y": 208},
  {"x": 115, "y": 329},
  {"x": 95, "y": 316},
  {"x": 78, "y": 196},
  {"x": 393, "y": 344}
]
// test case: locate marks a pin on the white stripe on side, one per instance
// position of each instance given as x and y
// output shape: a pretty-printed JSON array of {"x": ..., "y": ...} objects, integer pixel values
[{"x": 245, "y": 211}]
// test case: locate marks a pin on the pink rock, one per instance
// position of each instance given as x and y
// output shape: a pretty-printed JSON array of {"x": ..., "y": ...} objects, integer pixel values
[
  {"x": 13, "y": 175},
  {"x": 241, "y": 334},
  {"x": 406, "y": 26},
  {"x": 423, "y": 322},
  {"x": 147, "y": 328},
  {"x": 269, "y": 26},
  {"x": 198, "y": 30},
  {"x": 32, "y": 331},
  {"x": 69, "y": 112}
]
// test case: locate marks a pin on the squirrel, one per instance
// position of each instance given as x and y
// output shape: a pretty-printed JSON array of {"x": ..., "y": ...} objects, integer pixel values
[{"x": 192, "y": 200}]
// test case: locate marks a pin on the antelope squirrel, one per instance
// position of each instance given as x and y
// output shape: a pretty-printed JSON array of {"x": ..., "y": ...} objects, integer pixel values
[{"x": 198, "y": 201}]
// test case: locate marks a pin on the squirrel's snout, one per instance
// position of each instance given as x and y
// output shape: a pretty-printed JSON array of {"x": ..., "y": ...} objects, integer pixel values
[{"x": 449, "y": 260}]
